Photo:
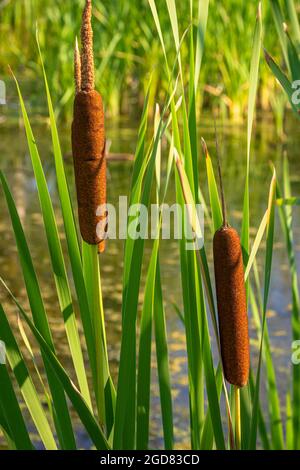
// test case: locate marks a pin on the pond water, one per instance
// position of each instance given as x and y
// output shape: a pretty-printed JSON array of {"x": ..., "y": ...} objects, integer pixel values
[{"x": 15, "y": 162}]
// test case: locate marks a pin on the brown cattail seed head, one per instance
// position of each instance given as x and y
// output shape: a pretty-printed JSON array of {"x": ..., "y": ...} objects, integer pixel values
[
  {"x": 232, "y": 306},
  {"x": 87, "y": 56},
  {"x": 88, "y": 141}
]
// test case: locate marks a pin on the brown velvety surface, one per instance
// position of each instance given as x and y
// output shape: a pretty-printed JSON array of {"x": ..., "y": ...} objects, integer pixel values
[
  {"x": 88, "y": 143},
  {"x": 232, "y": 306}
]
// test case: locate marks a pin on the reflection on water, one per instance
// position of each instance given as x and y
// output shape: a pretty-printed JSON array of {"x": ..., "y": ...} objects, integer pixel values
[{"x": 15, "y": 163}]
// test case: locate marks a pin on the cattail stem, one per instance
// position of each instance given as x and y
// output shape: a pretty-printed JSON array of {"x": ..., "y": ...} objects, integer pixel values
[
  {"x": 220, "y": 177},
  {"x": 237, "y": 399}
]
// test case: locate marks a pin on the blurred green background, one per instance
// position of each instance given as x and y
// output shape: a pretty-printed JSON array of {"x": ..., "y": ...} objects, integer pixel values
[{"x": 127, "y": 52}]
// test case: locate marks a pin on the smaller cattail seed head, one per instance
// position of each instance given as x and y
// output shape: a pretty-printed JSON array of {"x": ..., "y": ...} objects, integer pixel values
[{"x": 232, "y": 306}]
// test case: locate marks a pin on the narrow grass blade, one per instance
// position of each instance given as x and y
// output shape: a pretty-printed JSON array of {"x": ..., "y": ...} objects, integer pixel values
[
  {"x": 62, "y": 417},
  {"x": 214, "y": 199},
  {"x": 29, "y": 348},
  {"x": 288, "y": 201},
  {"x": 193, "y": 311},
  {"x": 174, "y": 23},
  {"x": 28, "y": 390},
  {"x": 267, "y": 278},
  {"x": 137, "y": 178},
  {"x": 207, "y": 437},
  {"x": 289, "y": 423},
  {"x": 206, "y": 349},
  {"x": 253, "y": 83},
  {"x": 261, "y": 421},
  {"x": 12, "y": 414},
  {"x": 271, "y": 385},
  {"x": 145, "y": 342},
  {"x": 81, "y": 407},
  {"x": 4, "y": 428},
  {"x": 124, "y": 435},
  {"x": 56, "y": 256},
  {"x": 192, "y": 112},
  {"x": 293, "y": 57},
  {"x": 144, "y": 362},
  {"x": 195, "y": 67},
  {"x": 91, "y": 271},
  {"x": 163, "y": 363},
  {"x": 256, "y": 244},
  {"x": 203, "y": 7},
  {"x": 157, "y": 24},
  {"x": 70, "y": 231},
  {"x": 285, "y": 213},
  {"x": 285, "y": 83},
  {"x": 279, "y": 20},
  {"x": 293, "y": 17}
]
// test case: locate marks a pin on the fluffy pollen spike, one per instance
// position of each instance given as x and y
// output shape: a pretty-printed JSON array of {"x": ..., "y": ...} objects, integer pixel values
[{"x": 87, "y": 56}]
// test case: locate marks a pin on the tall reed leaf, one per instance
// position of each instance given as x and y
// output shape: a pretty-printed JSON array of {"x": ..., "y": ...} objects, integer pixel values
[
  {"x": 253, "y": 82},
  {"x": 284, "y": 82},
  {"x": 56, "y": 256},
  {"x": 71, "y": 234},
  {"x": 105, "y": 391},
  {"x": 267, "y": 278},
  {"x": 82, "y": 409},
  {"x": 144, "y": 363},
  {"x": 10, "y": 409},
  {"x": 286, "y": 224},
  {"x": 203, "y": 7},
  {"x": 162, "y": 356},
  {"x": 293, "y": 17},
  {"x": 28, "y": 390},
  {"x": 61, "y": 416},
  {"x": 206, "y": 348},
  {"x": 124, "y": 435},
  {"x": 279, "y": 20}
]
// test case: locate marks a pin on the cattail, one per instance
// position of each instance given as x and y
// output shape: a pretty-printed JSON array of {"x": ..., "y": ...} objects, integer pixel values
[
  {"x": 232, "y": 305},
  {"x": 88, "y": 140},
  {"x": 231, "y": 300}
]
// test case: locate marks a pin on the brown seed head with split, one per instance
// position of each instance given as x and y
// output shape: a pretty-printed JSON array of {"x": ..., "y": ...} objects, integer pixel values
[{"x": 88, "y": 139}]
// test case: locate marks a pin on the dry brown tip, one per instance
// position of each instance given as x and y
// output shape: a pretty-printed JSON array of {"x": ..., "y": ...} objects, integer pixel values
[
  {"x": 259, "y": 11},
  {"x": 87, "y": 56},
  {"x": 77, "y": 67},
  {"x": 204, "y": 147}
]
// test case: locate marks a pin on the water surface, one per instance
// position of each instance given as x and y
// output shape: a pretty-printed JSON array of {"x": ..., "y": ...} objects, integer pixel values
[{"x": 15, "y": 163}]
